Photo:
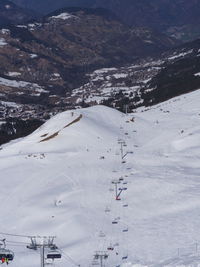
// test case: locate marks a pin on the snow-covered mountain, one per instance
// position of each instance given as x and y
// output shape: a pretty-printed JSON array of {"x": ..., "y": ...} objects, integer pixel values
[{"x": 58, "y": 181}]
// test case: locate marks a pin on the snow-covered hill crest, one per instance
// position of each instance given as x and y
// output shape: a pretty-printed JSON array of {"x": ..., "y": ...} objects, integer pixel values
[{"x": 58, "y": 181}]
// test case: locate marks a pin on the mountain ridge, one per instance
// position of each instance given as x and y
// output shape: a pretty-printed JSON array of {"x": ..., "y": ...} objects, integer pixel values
[{"x": 179, "y": 18}]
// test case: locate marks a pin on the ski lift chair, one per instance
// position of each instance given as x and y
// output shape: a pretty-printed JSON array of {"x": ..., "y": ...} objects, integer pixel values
[
  {"x": 54, "y": 254},
  {"x": 6, "y": 253}
]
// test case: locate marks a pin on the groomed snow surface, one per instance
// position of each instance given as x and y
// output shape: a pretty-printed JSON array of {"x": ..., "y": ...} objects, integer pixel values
[{"x": 57, "y": 181}]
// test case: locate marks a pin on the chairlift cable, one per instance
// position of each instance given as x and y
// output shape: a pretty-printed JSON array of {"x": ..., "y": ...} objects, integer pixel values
[
  {"x": 17, "y": 235},
  {"x": 67, "y": 257},
  {"x": 16, "y": 242}
]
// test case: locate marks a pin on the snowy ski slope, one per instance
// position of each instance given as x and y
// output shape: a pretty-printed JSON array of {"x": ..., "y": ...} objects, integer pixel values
[{"x": 57, "y": 181}]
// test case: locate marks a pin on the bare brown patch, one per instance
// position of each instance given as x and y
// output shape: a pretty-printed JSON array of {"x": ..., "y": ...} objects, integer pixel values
[
  {"x": 44, "y": 135},
  {"x": 74, "y": 121},
  {"x": 50, "y": 137},
  {"x": 56, "y": 133}
]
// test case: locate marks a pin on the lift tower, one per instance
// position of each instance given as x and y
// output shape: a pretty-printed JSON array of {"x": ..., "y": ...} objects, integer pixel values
[
  {"x": 101, "y": 256},
  {"x": 42, "y": 243}
]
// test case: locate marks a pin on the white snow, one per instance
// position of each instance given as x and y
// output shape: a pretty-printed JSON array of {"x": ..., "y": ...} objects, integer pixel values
[
  {"x": 2, "y": 123},
  {"x": 146, "y": 81},
  {"x": 22, "y": 84},
  {"x": 180, "y": 55},
  {"x": 120, "y": 75},
  {"x": 22, "y": 26},
  {"x": 33, "y": 55},
  {"x": 3, "y": 42},
  {"x": 197, "y": 74},
  {"x": 5, "y": 31},
  {"x": 33, "y": 26},
  {"x": 104, "y": 70},
  {"x": 13, "y": 74},
  {"x": 9, "y": 104},
  {"x": 61, "y": 186},
  {"x": 57, "y": 75},
  {"x": 63, "y": 16}
]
